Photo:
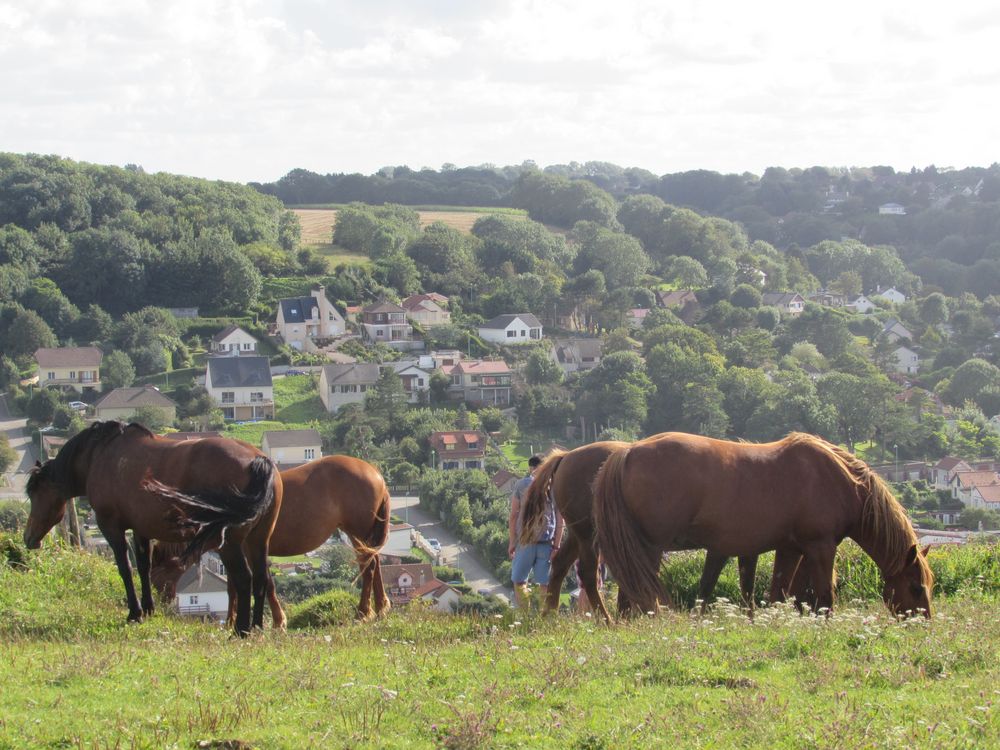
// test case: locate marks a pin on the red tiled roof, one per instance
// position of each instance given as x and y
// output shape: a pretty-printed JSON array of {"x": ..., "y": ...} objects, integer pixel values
[
  {"x": 976, "y": 478},
  {"x": 449, "y": 439},
  {"x": 479, "y": 366}
]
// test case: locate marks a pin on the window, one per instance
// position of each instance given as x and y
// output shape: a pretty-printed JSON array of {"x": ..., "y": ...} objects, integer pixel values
[
  {"x": 310, "y": 454},
  {"x": 229, "y": 413},
  {"x": 449, "y": 464},
  {"x": 449, "y": 447},
  {"x": 247, "y": 347},
  {"x": 72, "y": 374},
  {"x": 380, "y": 333},
  {"x": 420, "y": 382},
  {"x": 52, "y": 376},
  {"x": 229, "y": 397},
  {"x": 194, "y": 599},
  {"x": 523, "y": 333},
  {"x": 511, "y": 334},
  {"x": 472, "y": 465},
  {"x": 364, "y": 388},
  {"x": 473, "y": 445},
  {"x": 257, "y": 397}
]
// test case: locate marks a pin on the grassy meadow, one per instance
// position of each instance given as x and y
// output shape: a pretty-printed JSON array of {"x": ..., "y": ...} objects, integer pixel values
[{"x": 74, "y": 675}]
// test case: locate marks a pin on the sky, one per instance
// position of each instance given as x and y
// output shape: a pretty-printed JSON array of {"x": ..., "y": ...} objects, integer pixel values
[{"x": 248, "y": 90}]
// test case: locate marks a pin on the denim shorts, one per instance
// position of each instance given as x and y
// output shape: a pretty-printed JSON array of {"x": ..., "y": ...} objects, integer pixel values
[{"x": 528, "y": 558}]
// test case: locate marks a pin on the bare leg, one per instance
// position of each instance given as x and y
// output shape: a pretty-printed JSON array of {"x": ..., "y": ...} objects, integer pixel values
[{"x": 142, "y": 560}]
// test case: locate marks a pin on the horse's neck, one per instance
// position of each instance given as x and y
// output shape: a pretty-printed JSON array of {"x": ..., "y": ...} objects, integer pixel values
[{"x": 878, "y": 543}]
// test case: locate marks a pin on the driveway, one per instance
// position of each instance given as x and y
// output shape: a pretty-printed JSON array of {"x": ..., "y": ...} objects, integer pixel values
[
  {"x": 454, "y": 552},
  {"x": 17, "y": 433}
]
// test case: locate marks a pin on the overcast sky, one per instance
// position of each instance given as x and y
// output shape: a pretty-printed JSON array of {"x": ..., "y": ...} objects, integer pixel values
[{"x": 250, "y": 89}]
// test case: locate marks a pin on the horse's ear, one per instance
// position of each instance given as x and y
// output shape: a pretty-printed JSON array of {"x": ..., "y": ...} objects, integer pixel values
[
  {"x": 38, "y": 464},
  {"x": 926, "y": 549},
  {"x": 911, "y": 555}
]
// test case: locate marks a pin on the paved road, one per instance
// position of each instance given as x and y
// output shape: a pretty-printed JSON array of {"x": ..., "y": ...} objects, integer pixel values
[
  {"x": 12, "y": 484},
  {"x": 454, "y": 552}
]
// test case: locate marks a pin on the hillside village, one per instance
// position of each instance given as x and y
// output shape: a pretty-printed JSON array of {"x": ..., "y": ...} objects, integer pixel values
[{"x": 448, "y": 357}]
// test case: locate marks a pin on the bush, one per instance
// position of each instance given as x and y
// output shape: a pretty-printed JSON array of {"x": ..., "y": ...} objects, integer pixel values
[
  {"x": 326, "y": 610},
  {"x": 13, "y": 515}
]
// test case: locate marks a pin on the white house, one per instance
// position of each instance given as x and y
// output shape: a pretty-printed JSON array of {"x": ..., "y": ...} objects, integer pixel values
[
  {"x": 574, "y": 354},
  {"x": 906, "y": 361},
  {"x": 790, "y": 303},
  {"x": 290, "y": 447},
  {"x": 122, "y": 403},
  {"x": 76, "y": 367},
  {"x": 964, "y": 482},
  {"x": 985, "y": 496},
  {"x": 862, "y": 304},
  {"x": 416, "y": 377},
  {"x": 522, "y": 328},
  {"x": 891, "y": 209},
  {"x": 896, "y": 331},
  {"x": 945, "y": 469},
  {"x": 385, "y": 323},
  {"x": 892, "y": 295},
  {"x": 241, "y": 387},
  {"x": 342, "y": 384},
  {"x": 233, "y": 340},
  {"x": 303, "y": 320},
  {"x": 427, "y": 309},
  {"x": 201, "y": 592},
  {"x": 439, "y": 595}
]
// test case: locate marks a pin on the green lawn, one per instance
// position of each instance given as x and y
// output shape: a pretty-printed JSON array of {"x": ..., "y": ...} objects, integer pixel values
[
  {"x": 336, "y": 255},
  {"x": 296, "y": 399}
]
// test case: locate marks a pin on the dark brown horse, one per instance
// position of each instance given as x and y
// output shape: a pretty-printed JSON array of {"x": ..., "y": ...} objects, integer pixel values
[
  {"x": 320, "y": 497},
  {"x": 569, "y": 476},
  {"x": 208, "y": 494},
  {"x": 799, "y": 496}
]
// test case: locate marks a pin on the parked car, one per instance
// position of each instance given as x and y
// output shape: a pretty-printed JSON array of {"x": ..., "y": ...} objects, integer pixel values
[
  {"x": 77, "y": 405},
  {"x": 434, "y": 544},
  {"x": 295, "y": 372}
]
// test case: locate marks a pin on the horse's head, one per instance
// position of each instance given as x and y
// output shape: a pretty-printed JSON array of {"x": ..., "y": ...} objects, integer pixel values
[
  {"x": 48, "y": 505},
  {"x": 908, "y": 592}
]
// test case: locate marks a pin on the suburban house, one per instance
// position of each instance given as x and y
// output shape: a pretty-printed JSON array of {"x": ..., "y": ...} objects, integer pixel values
[
  {"x": 483, "y": 382},
  {"x": 891, "y": 209},
  {"x": 828, "y": 299},
  {"x": 986, "y": 496},
  {"x": 441, "y": 597},
  {"x": 233, "y": 340},
  {"x": 945, "y": 469},
  {"x": 505, "y": 480},
  {"x": 122, "y": 403},
  {"x": 459, "y": 449},
  {"x": 292, "y": 447},
  {"x": 861, "y": 304},
  {"x": 905, "y": 361},
  {"x": 427, "y": 309},
  {"x": 401, "y": 581},
  {"x": 683, "y": 303},
  {"x": 964, "y": 482},
  {"x": 896, "y": 331},
  {"x": 302, "y": 321},
  {"x": 342, "y": 384},
  {"x": 892, "y": 295},
  {"x": 416, "y": 377},
  {"x": 386, "y": 323},
  {"x": 241, "y": 386},
  {"x": 202, "y": 592},
  {"x": 574, "y": 354},
  {"x": 445, "y": 358},
  {"x": 636, "y": 317},
  {"x": 521, "y": 328},
  {"x": 76, "y": 367},
  {"x": 790, "y": 303}
]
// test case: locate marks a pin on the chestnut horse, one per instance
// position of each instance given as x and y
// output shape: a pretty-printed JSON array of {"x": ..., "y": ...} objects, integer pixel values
[
  {"x": 799, "y": 496},
  {"x": 212, "y": 493},
  {"x": 571, "y": 489},
  {"x": 320, "y": 497}
]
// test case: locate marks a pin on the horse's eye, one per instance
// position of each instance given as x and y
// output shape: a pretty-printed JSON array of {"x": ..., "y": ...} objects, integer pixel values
[{"x": 916, "y": 588}]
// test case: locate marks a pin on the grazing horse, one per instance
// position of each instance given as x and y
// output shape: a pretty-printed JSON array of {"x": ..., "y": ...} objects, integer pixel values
[
  {"x": 207, "y": 494},
  {"x": 568, "y": 476},
  {"x": 799, "y": 496},
  {"x": 320, "y": 497}
]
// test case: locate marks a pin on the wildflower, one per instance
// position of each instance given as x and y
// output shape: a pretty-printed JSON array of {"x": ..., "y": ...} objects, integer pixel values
[{"x": 581, "y": 660}]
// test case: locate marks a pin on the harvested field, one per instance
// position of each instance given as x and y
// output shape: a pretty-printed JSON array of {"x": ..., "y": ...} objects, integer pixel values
[{"x": 317, "y": 223}]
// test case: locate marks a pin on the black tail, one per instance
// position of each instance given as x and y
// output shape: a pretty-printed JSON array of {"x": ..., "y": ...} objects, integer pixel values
[{"x": 211, "y": 512}]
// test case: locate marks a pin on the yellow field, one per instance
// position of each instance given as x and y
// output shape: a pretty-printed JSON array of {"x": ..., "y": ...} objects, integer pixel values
[{"x": 317, "y": 223}]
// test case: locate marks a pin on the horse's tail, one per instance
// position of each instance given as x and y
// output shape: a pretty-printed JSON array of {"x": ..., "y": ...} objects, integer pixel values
[
  {"x": 630, "y": 556},
  {"x": 210, "y": 513},
  {"x": 533, "y": 516},
  {"x": 369, "y": 547}
]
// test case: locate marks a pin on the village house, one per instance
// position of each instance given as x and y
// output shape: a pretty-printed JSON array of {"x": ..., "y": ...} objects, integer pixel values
[
  {"x": 232, "y": 341},
  {"x": 304, "y": 321},
  {"x": 520, "y": 328},
  {"x": 416, "y": 377},
  {"x": 440, "y": 596},
  {"x": 895, "y": 331},
  {"x": 241, "y": 387},
  {"x": 481, "y": 382},
  {"x": 892, "y": 295},
  {"x": 891, "y": 209},
  {"x": 292, "y": 447},
  {"x": 905, "y": 361},
  {"x": 505, "y": 480},
  {"x": 202, "y": 592},
  {"x": 789, "y": 303},
  {"x": 69, "y": 367},
  {"x": 401, "y": 581},
  {"x": 945, "y": 469},
  {"x": 636, "y": 317},
  {"x": 682, "y": 302},
  {"x": 341, "y": 384},
  {"x": 861, "y": 304},
  {"x": 459, "y": 449},
  {"x": 986, "y": 497},
  {"x": 122, "y": 403},
  {"x": 386, "y": 323},
  {"x": 575, "y": 354},
  {"x": 964, "y": 482},
  {"x": 427, "y": 309}
]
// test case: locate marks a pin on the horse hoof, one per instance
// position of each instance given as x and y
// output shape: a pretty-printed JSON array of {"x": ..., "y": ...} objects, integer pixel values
[{"x": 134, "y": 618}]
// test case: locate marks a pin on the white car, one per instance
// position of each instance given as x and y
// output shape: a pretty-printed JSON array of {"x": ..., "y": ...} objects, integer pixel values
[
  {"x": 434, "y": 544},
  {"x": 77, "y": 405}
]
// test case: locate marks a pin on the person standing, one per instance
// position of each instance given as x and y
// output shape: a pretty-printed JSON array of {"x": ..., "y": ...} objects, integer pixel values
[{"x": 536, "y": 558}]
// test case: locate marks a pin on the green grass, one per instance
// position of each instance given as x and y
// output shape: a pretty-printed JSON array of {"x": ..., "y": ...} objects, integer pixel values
[
  {"x": 296, "y": 399},
  {"x": 336, "y": 255},
  {"x": 74, "y": 675}
]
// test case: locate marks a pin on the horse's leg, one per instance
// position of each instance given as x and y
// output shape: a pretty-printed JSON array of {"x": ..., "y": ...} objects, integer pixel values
[
  {"x": 118, "y": 545},
  {"x": 382, "y": 603},
  {"x": 278, "y": 619},
  {"x": 366, "y": 569},
  {"x": 238, "y": 572},
  {"x": 231, "y": 613},
  {"x": 786, "y": 562},
  {"x": 558, "y": 568},
  {"x": 714, "y": 563},
  {"x": 819, "y": 557},
  {"x": 587, "y": 569},
  {"x": 748, "y": 577},
  {"x": 142, "y": 559}
]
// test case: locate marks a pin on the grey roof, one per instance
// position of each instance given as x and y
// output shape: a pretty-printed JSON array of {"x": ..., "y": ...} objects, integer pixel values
[
  {"x": 200, "y": 580},
  {"x": 123, "y": 398},
  {"x": 69, "y": 356},
  {"x": 226, "y": 332},
  {"x": 298, "y": 309},
  {"x": 291, "y": 438},
  {"x": 500, "y": 322},
  {"x": 356, "y": 372},
  {"x": 779, "y": 298},
  {"x": 240, "y": 372},
  {"x": 378, "y": 307}
]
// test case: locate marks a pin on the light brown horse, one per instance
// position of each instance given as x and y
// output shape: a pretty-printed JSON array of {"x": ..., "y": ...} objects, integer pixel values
[
  {"x": 799, "y": 496},
  {"x": 320, "y": 497},
  {"x": 569, "y": 476},
  {"x": 207, "y": 494}
]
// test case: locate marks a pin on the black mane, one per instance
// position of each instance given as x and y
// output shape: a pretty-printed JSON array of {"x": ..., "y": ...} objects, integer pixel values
[{"x": 59, "y": 470}]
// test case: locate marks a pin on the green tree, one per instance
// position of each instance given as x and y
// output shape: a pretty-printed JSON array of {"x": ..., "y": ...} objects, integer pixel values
[
  {"x": 387, "y": 399},
  {"x": 746, "y": 296},
  {"x": 42, "y": 406},
  {"x": 26, "y": 333},
  {"x": 150, "y": 417},
  {"x": 117, "y": 370},
  {"x": 8, "y": 456},
  {"x": 541, "y": 369},
  {"x": 859, "y": 404},
  {"x": 969, "y": 380}
]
